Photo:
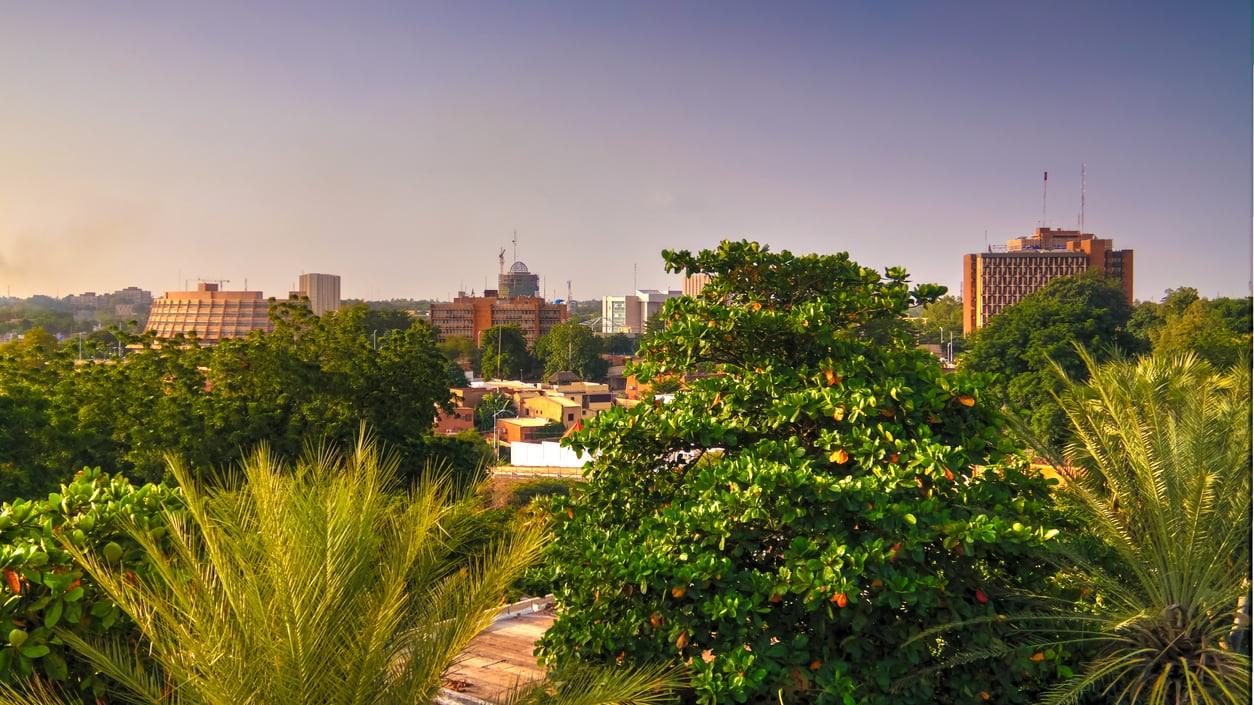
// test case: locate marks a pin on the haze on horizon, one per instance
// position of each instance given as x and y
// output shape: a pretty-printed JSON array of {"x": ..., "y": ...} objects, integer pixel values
[{"x": 400, "y": 144}]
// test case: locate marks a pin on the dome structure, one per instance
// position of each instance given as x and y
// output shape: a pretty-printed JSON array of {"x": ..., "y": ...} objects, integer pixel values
[{"x": 518, "y": 282}]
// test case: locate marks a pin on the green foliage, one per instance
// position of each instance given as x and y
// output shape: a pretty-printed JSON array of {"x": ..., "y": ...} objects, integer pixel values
[
  {"x": 503, "y": 354},
  {"x": 522, "y": 495},
  {"x": 622, "y": 344},
  {"x": 493, "y": 406},
  {"x": 47, "y": 594},
  {"x": 1216, "y": 330},
  {"x": 1022, "y": 344},
  {"x": 381, "y": 321},
  {"x": 461, "y": 349},
  {"x": 318, "y": 583},
  {"x": 1161, "y": 475},
  {"x": 805, "y": 507},
  {"x": 314, "y": 377},
  {"x": 572, "y": 347}
]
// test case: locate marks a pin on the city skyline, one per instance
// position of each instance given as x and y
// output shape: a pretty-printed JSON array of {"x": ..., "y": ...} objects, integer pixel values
[{"x": 400, "y": 145}]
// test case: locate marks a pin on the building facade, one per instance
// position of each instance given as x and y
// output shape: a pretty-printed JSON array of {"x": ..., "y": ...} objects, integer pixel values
[
  {"x": 518, "y": 282},
  {"x": 628, "y": 314},
  {"x": 212, "y": 315},
  {"x": 323, "y": 291},
  {"x": 993, "y": 280},
  {"x": 695, "y": 283},
  {"x": 470, "y": 316}
]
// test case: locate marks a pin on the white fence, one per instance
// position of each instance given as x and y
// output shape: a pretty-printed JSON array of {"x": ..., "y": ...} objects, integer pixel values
[{"x": 546, "y": 454}]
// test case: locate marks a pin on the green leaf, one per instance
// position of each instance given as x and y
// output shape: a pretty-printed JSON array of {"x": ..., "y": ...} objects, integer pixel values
[
  {"x": 53, "y": 614},
  {"x": 34, "y": 651}
]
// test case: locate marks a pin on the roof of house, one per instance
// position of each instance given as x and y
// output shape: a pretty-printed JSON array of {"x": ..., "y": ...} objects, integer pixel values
[{"x": 527, "y": 422}]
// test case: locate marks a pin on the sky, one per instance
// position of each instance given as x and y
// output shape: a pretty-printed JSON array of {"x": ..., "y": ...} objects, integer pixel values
[{"x": 402, "y": 144}]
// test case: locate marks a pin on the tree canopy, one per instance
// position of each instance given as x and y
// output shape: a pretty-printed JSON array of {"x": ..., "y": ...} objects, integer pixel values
[
  {"x": 1022, "y": 344},
  {"x": 314, "y": 377},
  {"x": 572, "y": 347},
  {"x": 804, "y": 506},
  {"x": 504, "y": 354}
]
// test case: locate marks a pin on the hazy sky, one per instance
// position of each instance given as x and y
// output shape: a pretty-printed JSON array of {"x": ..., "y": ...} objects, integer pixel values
[{"x": 399, "y": 144}]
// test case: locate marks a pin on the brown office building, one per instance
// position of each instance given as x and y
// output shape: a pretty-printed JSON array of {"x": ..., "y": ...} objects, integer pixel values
[
  {"x": 993, "y": 280},
  {"x": 211, "y": 314},
  {"x": 471, "y": 315}
]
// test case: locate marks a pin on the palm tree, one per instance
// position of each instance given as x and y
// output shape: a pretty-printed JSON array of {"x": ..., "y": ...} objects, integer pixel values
[
  {"x": 1160, "y": 473},
  {"x": 314, "y": 584}
]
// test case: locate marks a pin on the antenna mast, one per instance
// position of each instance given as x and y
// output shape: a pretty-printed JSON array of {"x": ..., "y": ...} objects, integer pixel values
[
  {"x": 515, "y": 244},
  {"x": 1083, "y": 168},
  {"x": 1044, "y": 198}
]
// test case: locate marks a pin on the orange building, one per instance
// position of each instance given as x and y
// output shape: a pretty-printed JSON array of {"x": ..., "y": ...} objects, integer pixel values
[
  {"x": 993, "y": 280},
  {"x": 209, "y": 313},
  {"x": 471, "y": 315}
]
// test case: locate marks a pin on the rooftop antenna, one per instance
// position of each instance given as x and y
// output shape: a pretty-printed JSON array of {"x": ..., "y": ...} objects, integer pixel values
[
  {"x": 1083, "y": 168},
  {"x": 1044, "y": 198},
  {"x": 634, "y": 285},
  {"x": 515, "y": 244}
]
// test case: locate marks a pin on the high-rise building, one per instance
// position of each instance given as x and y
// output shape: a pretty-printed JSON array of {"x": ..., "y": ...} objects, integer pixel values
[
  {"x": 471, "y": 315},
  {"x": 209, "y": 313},
  {"x": 323, "y": 291},
  {"x": 993, "y": 280}
]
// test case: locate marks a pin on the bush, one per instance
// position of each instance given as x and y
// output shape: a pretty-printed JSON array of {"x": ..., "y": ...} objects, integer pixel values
[
  {"x": 44, "y": 589},
  {"x": 524, "y": 493}
]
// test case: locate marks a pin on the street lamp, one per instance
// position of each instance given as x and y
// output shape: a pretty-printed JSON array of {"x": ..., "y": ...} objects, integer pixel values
[{"x": 496, "y": 448}]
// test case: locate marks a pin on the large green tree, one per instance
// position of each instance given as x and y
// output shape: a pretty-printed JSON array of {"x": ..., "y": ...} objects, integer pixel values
[
  {"x": 572, "y": 347},
  {"x": 809, "y": 502},
  {"x": 1022, "y": 344},
  {"x": 503, "y": 354}
]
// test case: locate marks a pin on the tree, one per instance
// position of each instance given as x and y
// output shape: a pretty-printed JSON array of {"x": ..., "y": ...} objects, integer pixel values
[
  {"x": 572, "y": 347},
  {"x": 1022, "y": 344},
  {"x": 504, "y": 354},
  {"x": 1161, "y": 475},
  {"x": 1200, "y": 328},
  {"x": 943, "y": 315},
  {"x": 807, "y": 503},
  {"x": 381, "y": 321},
  {"x": 491, "y": 407},
  {"x": 460, "y": 348},
  {"x": 622, "y": 344},
  {"x": 312, "y": 584}
]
